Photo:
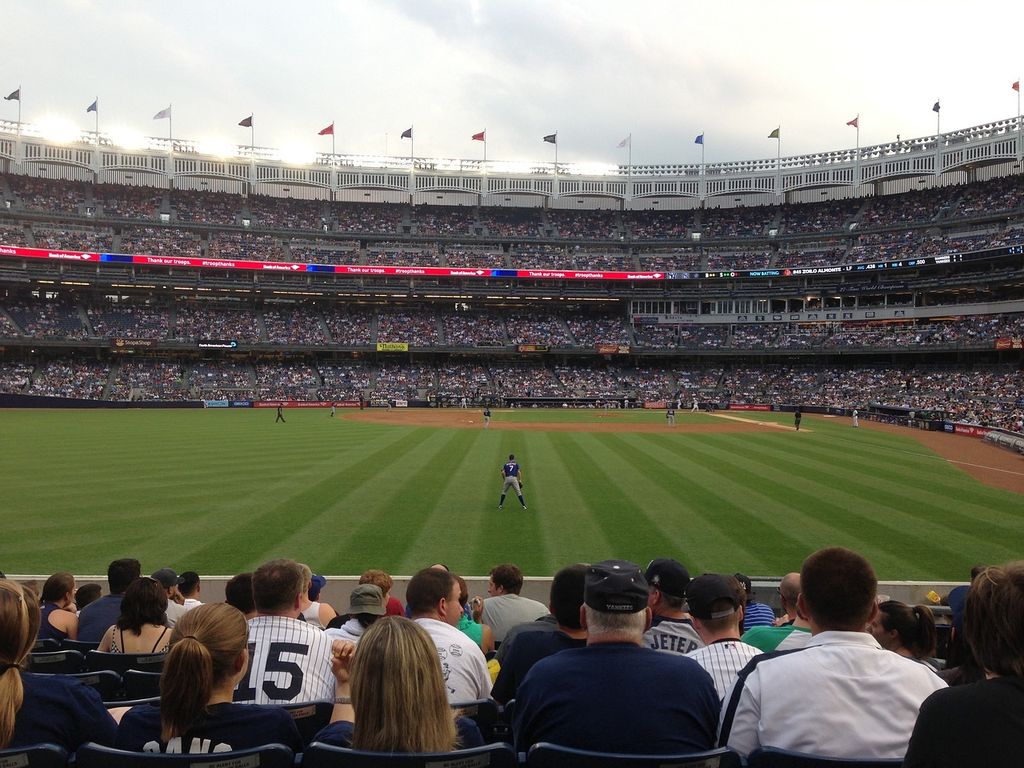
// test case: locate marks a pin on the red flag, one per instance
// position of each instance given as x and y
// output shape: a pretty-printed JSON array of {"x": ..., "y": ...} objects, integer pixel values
[
  {"x": 482, "y": 136},
  {"x": 855, "y": 122},
  {"x": 328, "y": 131},
  {"x": 1016, "y": 86}
]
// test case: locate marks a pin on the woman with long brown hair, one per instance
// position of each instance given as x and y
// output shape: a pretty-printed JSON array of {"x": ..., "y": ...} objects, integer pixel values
[
  {"x": 196, "y": 715},
  {"x": 142, "y": 625},
  {"x": 391, "y": 695},
  {"x": 35, "y": 709}
]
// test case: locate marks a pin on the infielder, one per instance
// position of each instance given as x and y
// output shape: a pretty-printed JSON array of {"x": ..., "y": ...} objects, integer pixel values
[
  {"x": 670, "y": 416},
  {"x": 487, "y": 416},
  {"x": 856, "y": 418},
  {"x": 512, "y": 475}
]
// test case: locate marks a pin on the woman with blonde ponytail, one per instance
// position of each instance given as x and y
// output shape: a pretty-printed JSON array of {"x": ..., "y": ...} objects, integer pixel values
[
  {"x": 35, "y": 709},
  {"x": 208, "y": 657}
]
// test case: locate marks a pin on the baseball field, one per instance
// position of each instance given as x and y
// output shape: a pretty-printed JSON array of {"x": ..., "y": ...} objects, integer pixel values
[{"x": 219, "y": 491}]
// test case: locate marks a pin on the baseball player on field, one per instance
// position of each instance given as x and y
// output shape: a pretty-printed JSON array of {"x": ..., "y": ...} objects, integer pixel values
[{"x": 512, "y": 475}]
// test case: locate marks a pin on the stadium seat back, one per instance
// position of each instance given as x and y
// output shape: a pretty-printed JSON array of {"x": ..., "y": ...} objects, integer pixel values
[
  {"x": 545, "y": 755},
  {"x": 268, "y": 756},
  {"x": 310, "y": 717},
  {"x": 770, "y": 757},
  {"x": 483, "y": 712},
  {"x": 141, "y": 685},
  {"x": 107, "y": 684},
  {"x": 47, "y": 644},
  {"x": 56, "y": 662},
  {"x": 122, "y": 662},
  {"x": 488, "y": 756},
  {"x": 83, "y": 646},
  {"x": 34, "y": 756}
]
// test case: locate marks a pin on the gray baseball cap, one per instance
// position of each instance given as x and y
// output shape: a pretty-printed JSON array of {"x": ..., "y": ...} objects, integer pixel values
[{"x": 367, "y": 598}]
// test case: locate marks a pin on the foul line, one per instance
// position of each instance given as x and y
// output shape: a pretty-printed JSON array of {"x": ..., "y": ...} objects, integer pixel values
[
  {"x": 985, "y": 466},
  {"x": 759, "y": 423}
]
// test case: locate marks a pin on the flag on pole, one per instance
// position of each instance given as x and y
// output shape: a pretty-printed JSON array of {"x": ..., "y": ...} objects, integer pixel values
[
  {"x": 699, "y": 139},
  {"x": 855, "y": 122},
  {"x": 551, "y": 138},
  {"x": 328, "y": 131},
  {"x": 163, "y": 114},
  {"x": 935, "y": 107},
  {"x": 407, "y": 133},
  {"x": 776, "y": 134},
  {"x": 1015, "y": 86},
  {"x": 246, "y": 123},
  {"x": 94, "y": 107},
  {"x": 482, "y": 136},
  {"x": 16, "y": 96},
  {"x": 626, "y": 142}
]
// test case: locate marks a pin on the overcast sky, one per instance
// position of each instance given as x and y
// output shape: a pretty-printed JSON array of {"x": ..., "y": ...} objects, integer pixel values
[{"x": 592, "y": 70}]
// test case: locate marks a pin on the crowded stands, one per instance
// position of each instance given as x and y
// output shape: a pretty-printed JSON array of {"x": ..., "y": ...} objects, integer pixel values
[{"x": 592, "y": 647}]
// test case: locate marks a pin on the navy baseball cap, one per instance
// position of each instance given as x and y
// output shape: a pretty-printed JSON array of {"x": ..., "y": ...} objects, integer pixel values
[
  {"x": 704, "y": 591},
  {"x": 615, "y": 586},
  {"x": 668, "y": 575},
  {"x": 167, "y": 577}
]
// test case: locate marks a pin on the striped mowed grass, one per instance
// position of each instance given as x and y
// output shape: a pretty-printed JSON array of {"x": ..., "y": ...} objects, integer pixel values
[{"x": 219, "y": 491}]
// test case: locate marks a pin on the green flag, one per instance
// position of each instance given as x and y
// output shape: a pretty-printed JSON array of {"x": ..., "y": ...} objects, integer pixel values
[{"x": 775, "y": 134}]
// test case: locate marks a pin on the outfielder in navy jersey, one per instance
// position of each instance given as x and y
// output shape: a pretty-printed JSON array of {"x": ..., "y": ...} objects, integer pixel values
[{"x": 512, "y": 475}]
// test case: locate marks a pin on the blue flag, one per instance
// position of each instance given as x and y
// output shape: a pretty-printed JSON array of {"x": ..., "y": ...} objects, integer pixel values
[
  {"x": 94, "y": 107},
  {"x": 699, "y": 139}
]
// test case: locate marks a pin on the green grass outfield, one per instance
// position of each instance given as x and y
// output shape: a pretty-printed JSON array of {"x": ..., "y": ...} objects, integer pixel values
[{"x": 220, "y": 491}]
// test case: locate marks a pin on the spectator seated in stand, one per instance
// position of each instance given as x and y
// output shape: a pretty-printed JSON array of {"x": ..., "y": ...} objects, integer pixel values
[
  {"x": 58, "y": 620},
  {"x": 906, "y": 630},
  {"x": 527, "y": 643},
  {"x": 391, "y": 695},
  {"x": 196, "y": 715},
  {"x": 315, "y": 612},
  {"x": 276, "y": 588},
  {"x": 142, "y": 625},
  {"x": 716, "y": 607},
  {"x": 599, "y": 697},
  {"x": 96, "y": 618},
  {"x": 981, "y": 723},
  {"x": 433, "y": 596},
  {"x": 505, "y": 608},
  {"x": 838, "y": 696},
  {"x": 366, "y": 605},
  {"x": 37, "y": 709}
]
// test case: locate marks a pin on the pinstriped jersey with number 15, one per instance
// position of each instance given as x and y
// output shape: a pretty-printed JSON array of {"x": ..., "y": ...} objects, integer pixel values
[{"x": 289, "y": 661}]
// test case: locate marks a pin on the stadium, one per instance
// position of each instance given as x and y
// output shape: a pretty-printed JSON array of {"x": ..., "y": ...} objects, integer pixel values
[{"x": 579, "y": 303}]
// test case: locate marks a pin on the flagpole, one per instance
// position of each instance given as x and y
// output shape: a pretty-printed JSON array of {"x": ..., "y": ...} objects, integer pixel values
[
  {"x": 334, "y": 151},
  {"x": 17, "y": 145},
  {"x": 778, "y": 162},
  {"x": 170, "y": 140},
  {"x": 485, "y": 140},
  {"x": 630, "y": 170},
  {"x": 97, "y": 121},
  {"x": 1020, "y": 148},
  {"x": 412, "y": 147},
  {"x": 856, "y": 156},
  {"x": 703, "y": 171}
]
